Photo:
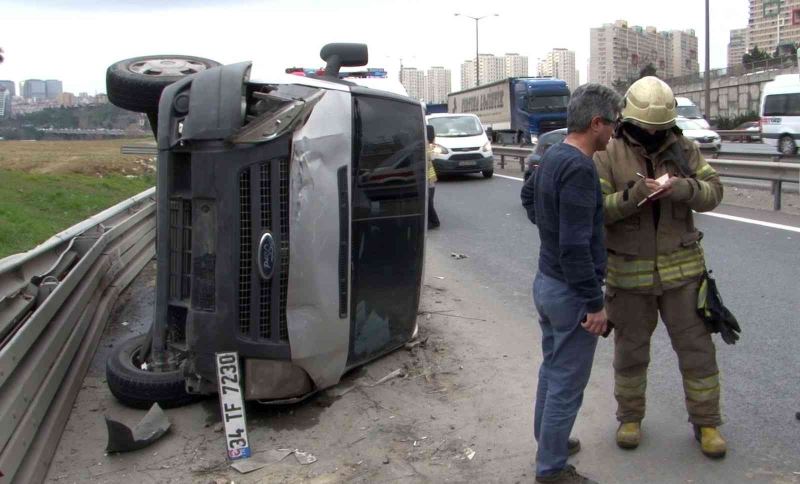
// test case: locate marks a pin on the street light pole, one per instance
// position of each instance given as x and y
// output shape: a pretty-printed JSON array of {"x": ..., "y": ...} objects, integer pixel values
[
  {"x": 708, "y": 69},
  {"x": 477, "y": 68}
]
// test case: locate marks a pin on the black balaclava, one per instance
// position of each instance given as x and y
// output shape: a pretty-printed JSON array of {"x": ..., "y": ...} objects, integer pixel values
[{"x": 650, "y": 142}]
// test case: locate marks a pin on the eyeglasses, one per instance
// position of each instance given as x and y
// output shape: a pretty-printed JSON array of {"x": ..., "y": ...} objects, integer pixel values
[{"x": 613, "y": 122}]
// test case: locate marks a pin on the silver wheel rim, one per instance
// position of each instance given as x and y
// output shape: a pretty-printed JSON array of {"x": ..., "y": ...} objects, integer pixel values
[{"x": 167, "y": 67}]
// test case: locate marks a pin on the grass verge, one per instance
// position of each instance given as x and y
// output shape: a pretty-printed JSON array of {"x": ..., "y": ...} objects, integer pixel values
[{"x": 34, "y": 207}]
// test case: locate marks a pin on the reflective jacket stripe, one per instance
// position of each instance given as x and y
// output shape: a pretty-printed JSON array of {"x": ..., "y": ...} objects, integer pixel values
[{"x": 640, "y": 273}]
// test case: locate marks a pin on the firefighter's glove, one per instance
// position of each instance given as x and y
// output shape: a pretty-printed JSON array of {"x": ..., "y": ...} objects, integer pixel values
[
  {"x": 682, "y": 189},
  {"x": 639, "y": 191}
]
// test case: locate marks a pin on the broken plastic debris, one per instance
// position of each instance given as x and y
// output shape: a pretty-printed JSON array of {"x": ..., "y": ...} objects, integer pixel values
[
  {"x": 276, "y": 455},
  {"x": 417, "y": 342},
  {"x": 304, "y": 458},
  {"x": 341, "y": 390},
  {"x": 394, "y": 374},
  {"x": 469, "y": 453},
  {"x": 457, "y": 256},
  {"x": 152, "y": 427},
  {"x": 248, "y": 465}
]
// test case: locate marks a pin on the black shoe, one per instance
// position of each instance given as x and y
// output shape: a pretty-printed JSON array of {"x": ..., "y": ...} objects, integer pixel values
[
  {"x": 573, "y": 446},
  {"x": 568, "y": 475}
]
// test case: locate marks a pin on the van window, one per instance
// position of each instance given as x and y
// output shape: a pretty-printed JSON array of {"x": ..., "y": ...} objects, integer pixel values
[
  {"x": 456, "y": 126},
  {"x": 782, "y": 105},
  {"x": 387, "y": 224},
  {"x": 690, "y": 112}
]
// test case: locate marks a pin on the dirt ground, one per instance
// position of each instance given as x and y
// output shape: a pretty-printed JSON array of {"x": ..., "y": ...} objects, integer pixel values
[
  {"x": 95, "y": 157},
  {"x": 448, "y": 417}
]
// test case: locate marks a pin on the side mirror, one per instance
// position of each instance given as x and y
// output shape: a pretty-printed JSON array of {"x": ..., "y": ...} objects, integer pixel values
[
  {"x": 341, "y": 55},
  {"x": 430, "y": 133}
]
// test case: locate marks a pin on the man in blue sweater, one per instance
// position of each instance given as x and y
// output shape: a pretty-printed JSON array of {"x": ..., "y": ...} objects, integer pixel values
[{"x": 563, "y": 198}]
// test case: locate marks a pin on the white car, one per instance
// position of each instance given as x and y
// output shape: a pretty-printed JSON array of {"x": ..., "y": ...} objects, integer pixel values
[{"x": 705, "y": 139}]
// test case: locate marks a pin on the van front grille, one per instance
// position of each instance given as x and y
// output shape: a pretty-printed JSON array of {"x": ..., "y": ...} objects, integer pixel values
[
  {"x": 245, "y": 252},
  {"x": 261, "y": 213}
]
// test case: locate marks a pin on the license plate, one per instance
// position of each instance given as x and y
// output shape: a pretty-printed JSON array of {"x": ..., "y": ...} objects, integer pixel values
[
  {"x": 466, "y": 163},
  {"x": 232, "y": 405}
]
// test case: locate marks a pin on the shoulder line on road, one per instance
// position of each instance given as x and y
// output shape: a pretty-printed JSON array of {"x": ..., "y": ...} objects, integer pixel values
[
  {"x": 752, "y": 221},
  {"x": 509, "y": 177},
  {"x": 718, "y": 215}
]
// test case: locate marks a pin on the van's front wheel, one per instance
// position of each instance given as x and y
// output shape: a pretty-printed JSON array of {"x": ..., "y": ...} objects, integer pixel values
[
  {"x": 136, "y": 385},
  {"x": 786, "y": 146}
]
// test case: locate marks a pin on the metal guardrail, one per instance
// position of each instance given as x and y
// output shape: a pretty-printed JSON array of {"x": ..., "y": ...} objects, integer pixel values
[
  {"x": 771, "y": 169},
  {"x": 139, "y": 150},
  {"x": 54, "y": 303}
]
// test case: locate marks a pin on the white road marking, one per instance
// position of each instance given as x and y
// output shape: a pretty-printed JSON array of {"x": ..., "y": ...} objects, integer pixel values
[
  {"x": 509, "y": 177},
  {"x": 752, "y": 221},
  {"x": 718, "y": 215}
]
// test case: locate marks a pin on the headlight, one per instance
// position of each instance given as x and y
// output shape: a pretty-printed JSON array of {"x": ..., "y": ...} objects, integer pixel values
[
  {"x": 440, "y": 150},
  {"x": 534, "y": 139},
  {"x": 487, "y": 147}
]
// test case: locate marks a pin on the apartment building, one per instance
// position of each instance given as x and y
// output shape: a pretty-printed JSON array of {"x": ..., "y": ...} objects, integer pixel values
[
  {"x": 413, "y": 80},
  {"x": 737, "y": 46},
  {"x": 515, "y": 65},
  {"x": 560, "y": 63},
  {"x": 773, "y": 22},
  {"x": 493, "y": 68},
  {"x": 619, "y": 52},
  {"x": 438, "y": 84}
]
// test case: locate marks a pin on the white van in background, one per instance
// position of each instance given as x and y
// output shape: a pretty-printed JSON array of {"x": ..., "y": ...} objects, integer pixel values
[
  {"x": 689, "y": 110},
  {"x": 780, "y": 113},
  {"x": 461, "y": 145}
]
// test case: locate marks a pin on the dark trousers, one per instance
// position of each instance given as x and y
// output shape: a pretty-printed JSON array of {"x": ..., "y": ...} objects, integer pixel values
[{"x": 433, "y": 219}]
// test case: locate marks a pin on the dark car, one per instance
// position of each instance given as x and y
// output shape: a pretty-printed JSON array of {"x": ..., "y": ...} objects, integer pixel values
[
  {"x": 545, "y": 142},
  {"x": 753, "y": 129}
]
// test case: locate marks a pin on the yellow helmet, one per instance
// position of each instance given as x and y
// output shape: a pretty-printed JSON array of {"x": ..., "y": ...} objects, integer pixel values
[{"x": 650, "y": 104}]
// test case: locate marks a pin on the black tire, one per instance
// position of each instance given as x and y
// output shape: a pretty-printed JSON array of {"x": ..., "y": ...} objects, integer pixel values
[
  {"x": 136, "y": 84},
  {"x": 488, "y": 173},
  {"x": 139, "y": 388},
  {"x": 786, "y": 146},
  {"x": 526, "y": 175}
]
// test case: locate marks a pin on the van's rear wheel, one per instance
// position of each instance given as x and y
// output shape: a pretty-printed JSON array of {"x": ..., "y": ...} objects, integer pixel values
[
  {"x": 787, "y": 146},
  {"x": 137, "y": 386}
]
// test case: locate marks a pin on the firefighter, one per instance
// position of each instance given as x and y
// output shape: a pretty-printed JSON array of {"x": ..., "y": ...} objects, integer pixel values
[{"x": 655, "y": 259}]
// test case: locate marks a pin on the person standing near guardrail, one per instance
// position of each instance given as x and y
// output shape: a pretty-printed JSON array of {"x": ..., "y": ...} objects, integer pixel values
[
  {"x": 565, "y": 195},
  {"x": 655, "y": 260}
]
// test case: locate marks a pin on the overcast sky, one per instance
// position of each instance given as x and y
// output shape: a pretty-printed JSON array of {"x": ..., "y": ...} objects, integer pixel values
[{"x": 75, "y": 41}]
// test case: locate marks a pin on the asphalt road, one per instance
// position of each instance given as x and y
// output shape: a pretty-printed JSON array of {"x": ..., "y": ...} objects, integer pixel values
[{"x": 757, "y": 272}]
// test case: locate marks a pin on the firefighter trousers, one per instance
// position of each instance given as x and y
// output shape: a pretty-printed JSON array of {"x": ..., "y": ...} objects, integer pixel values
[{"x": 635, "y": 317}]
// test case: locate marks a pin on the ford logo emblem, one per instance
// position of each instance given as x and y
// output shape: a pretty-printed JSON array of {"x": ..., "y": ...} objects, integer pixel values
[{"x": 266, "y": 255}]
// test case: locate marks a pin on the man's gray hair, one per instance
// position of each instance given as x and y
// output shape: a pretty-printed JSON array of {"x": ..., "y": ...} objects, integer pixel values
[{"x": 588, "y": 101}]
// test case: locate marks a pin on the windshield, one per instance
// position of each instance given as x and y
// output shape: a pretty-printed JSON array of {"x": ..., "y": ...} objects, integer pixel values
[
  {"x": 455, "y": 126},
  {"x": 686, "y": 124},
  {"x": 690, "y": 112},
  {"x": 539, "y": 104}
]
